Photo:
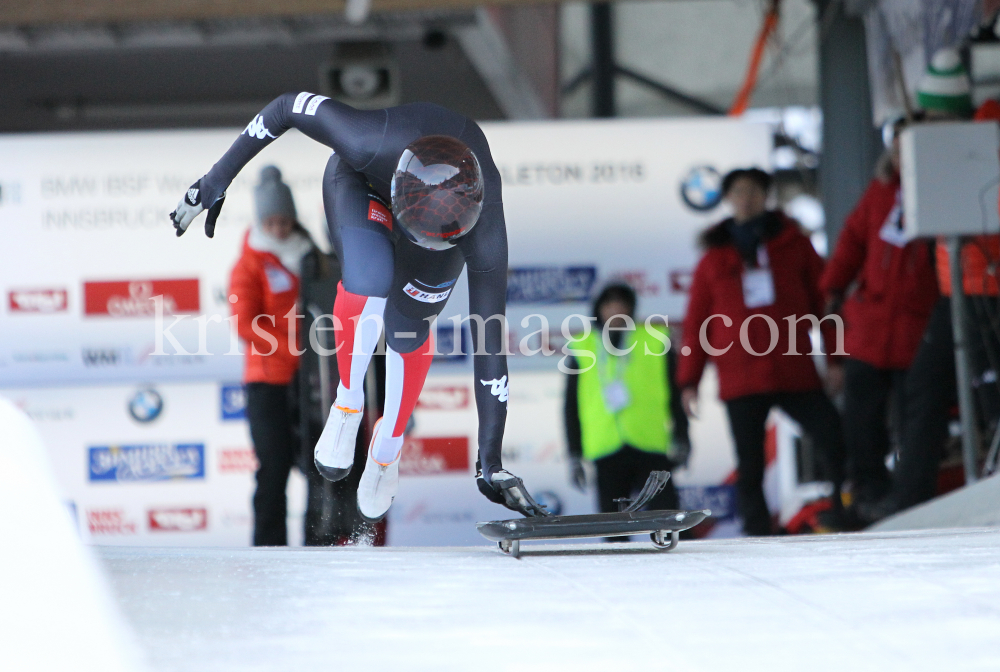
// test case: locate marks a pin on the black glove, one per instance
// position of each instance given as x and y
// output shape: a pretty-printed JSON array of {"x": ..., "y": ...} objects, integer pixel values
[
  {"x": 507, "y": 489},
  {"x": 191, "y": 206},
  {"x": 488, "y": 490},
  {"x": 577, "y": 475}
]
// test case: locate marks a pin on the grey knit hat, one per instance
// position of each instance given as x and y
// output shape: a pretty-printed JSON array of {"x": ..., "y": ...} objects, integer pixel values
[{"x": 272, "y": 196}]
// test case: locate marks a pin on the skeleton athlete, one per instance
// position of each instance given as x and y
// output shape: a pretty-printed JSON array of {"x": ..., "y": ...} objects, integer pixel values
[{"x": 411, "y": 196}]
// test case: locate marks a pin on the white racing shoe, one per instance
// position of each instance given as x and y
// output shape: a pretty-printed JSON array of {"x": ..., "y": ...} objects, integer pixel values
[
  {"x": 378, "y": 485},
  {"x": 334, "y": 454}
]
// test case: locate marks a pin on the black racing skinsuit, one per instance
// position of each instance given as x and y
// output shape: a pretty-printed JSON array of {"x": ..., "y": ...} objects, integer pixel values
[{"x": 379, "y": 261}]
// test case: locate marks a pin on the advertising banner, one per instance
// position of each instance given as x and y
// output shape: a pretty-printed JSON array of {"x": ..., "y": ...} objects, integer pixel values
[{"x": 106, "y": 309}]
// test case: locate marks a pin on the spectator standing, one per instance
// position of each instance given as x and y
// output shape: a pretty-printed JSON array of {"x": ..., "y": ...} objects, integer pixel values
[
  {"x": 623, "y": 411},
  {"x": 265, "y": 282},
  {"x": 930, "y": 390},
  {"x": 760, "y": 274},
  {"x": 892, "y": 291}
]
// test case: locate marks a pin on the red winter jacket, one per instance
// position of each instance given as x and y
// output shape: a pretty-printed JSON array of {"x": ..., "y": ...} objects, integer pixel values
[
  {"x": 717, "y": 289},
  {"x": 264, "y": 287},
  {"x": 885, "y": 316}
]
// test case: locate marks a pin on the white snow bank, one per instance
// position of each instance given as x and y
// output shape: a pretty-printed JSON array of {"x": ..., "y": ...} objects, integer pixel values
[{"x": 55, "y": 610}]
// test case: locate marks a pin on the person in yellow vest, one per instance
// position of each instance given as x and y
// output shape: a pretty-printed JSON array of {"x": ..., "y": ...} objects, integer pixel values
[{"x": 623, "y": 412}]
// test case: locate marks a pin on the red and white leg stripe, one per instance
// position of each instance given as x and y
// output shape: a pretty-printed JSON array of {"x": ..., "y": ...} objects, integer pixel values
[
  {"x": 361, "y": 320},
  {"x": 404, "y": 379}
]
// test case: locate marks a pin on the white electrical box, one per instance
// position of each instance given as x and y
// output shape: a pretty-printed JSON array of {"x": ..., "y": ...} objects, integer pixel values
[{"x": 950, "y": 174}]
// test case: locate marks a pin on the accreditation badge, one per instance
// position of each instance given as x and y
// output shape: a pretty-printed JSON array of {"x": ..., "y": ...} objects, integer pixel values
[
  {"x": 758, "y": 287},
  {"x": 616, "y": 396}
]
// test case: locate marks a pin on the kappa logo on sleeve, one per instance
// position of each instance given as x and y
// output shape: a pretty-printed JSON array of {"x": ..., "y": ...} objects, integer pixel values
[
  {"x": 498, "y": 388},
  {"x": 257, "y": 129},
  {"x": 379, "y": 213}
]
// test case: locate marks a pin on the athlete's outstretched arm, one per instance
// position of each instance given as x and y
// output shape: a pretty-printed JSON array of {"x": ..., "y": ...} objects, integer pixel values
[
  {"x": 486, "y": 256},
  {"x": 354, "y": 134}
]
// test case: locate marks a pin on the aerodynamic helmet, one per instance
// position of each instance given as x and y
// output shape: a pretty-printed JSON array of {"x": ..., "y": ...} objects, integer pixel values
[{"x": 437, "y": 191}]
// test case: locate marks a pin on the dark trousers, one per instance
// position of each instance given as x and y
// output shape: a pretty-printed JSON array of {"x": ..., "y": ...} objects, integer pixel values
[
  {"x": 869, "y": 394},
  {"x": 930, "y": 392},
  {"x": 274, "y": 442},
  {"x": 747, "y": 415},
  {"x": 273, "y": 420},
  {"x": 624, "y": 472}
]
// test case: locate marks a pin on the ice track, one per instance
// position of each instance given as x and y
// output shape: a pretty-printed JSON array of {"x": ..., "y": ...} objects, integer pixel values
[{"x": 879, "y": 602}]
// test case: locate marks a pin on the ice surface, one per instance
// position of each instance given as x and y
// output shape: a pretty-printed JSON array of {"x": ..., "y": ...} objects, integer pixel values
[{"x": 891, "y": 601}]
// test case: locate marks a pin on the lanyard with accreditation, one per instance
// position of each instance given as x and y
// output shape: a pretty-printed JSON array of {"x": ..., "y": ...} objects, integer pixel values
[
  {"x": 613, "y": 388},
  {"x": 758, "y": 283}
]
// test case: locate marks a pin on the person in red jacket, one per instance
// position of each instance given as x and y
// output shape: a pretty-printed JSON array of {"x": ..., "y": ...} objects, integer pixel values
[
  {"x": 894, "y": 291},
  {"x": 753, "y": 292},
  {"x": 265, "y": 283},
  {"x": 931, "y": 388}
]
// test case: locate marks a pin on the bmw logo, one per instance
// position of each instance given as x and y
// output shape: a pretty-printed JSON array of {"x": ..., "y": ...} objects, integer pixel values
[
  {"x": 145, "y": 405},
  {"x": 701, "y": 188}
]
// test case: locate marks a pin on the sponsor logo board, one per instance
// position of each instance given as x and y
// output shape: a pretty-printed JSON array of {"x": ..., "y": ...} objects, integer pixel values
[
  {"x": 101, "y": 357},
  {"x": 638, "y": 280},
  {"x": 720, "y": 499},
  {"x": 680, "y": 281},
  {"x": 10, "y": 193},
  {"x": 237, "y": 461},
  {"x": 49, "y": 357},
  {"x": 550, "y": 284},
  {"x": 434, "y": 455},
  {"x": 44, "y": 301},
  {"x": 40, "y": 413},
  {"x": 178, "y": 519},
  {"x": 234, "y": 402},
  {"x": 134, "y": 298},
  {"x": 145, "y": 405},
  {"x": 110, "y": 521},
  {"x": 443, "y": 398},
  {"x": 701, "y": 188},
  {"x": 146, "y": 462}
]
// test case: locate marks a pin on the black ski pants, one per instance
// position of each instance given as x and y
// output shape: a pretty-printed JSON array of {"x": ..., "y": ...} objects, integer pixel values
[
  {"x": 818, "y": 418},
  {"x": 869, "y": 394},
  {"x": 931, "y": 390}
]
